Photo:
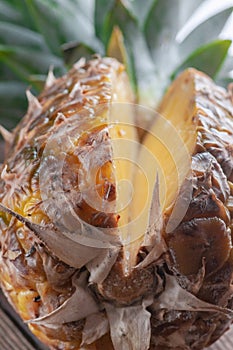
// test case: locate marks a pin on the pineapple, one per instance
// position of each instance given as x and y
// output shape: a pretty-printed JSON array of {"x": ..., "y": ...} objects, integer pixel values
[
  {"x": 116, "y": 219},
  {"x": 156, "y": 275}
]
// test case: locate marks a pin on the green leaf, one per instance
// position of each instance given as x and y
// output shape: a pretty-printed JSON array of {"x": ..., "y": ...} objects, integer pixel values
[
  {"x": 78, "y": 14},
  {"x": 72, "y": 52},
  {"x": 12, "y": 34},
  {"x": 161, "y": 27},
  {"x": 164, "y": 21},
  {"x": 6, "y": 73},
  {"x": 10, "y": 90},
  {"x": 16, "y": 12},
  {"x": 24, "y": 61},
  {"x": 13, "y": 102},
  {"x": 102, "y": 10},
  {"x": 225, "y": 81},
  {"x": 160, "y": 31},
  {"x": 208, "y": 58},
  {"x": 63, "y": 21},
  {"x": 46, "y": 24},
  {"x": 186, "y": 10},
  {"x": 140, "y": 66},
  {"x": 207, "y": 10},
  {"x": 10, "y": 115},
  {"x": 37, "y": 81},
  {"x": 9, "y": 12},
  {"x": 85, "y": 8},
  {"x": 139, "y": 12},
  {"x": 111, "y": 14},
  {"x": 205, "y": 32},
  {"x": 225, "y": 75}
]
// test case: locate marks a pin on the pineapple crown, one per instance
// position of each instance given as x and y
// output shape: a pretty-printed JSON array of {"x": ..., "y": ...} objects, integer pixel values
[{"x": 155, "y": 39}]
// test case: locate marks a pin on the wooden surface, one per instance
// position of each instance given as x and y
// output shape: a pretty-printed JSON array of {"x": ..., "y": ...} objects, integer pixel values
[
  {"x": 14, "y": 335},
  {"x": 10, "y": 336},
  {"x": 225, "y": 343}
]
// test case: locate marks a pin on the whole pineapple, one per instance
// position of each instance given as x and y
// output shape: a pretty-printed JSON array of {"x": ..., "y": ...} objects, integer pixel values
[
  {"x": 116, "y": 220},
  {"x": 66, "y": 265}
]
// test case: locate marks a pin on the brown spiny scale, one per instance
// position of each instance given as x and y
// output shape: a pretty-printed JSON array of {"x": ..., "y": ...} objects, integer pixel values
[{"x": 92, "y": 263}]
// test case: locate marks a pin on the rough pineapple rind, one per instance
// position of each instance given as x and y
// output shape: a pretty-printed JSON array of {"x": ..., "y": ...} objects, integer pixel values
[
  {"x": 200, "y": 248},
  {"x": 37, "y": 282}
]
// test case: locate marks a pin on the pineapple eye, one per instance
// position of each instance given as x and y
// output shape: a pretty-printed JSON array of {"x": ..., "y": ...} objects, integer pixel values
[{"x": 200, "y": 241}]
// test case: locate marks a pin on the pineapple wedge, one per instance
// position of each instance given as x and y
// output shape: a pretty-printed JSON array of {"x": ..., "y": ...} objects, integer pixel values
[
  {"x": 68, "y": 161},
  {"x": 109, "y": 241}
]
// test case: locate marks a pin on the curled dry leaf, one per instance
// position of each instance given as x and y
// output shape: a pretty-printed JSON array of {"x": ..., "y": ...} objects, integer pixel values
[
  {"x": 96, "y": 325},
  {"x": 100, "y": 266},
  {"x": 51, "y": 79},
  {"x": 80, "y": 305},
  {"x": 129, "y": 327},
  {"x": 67, "y": 250},
  {"x": 34, "y": 106},
  {"x": 175, "y": 297}
]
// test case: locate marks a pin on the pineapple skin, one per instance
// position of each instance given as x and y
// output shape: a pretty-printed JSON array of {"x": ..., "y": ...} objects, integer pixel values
[
  {"x": 30, "y": 288},
  {"x": 24, "y": 257},
  {"x": 200, "y": 248}
]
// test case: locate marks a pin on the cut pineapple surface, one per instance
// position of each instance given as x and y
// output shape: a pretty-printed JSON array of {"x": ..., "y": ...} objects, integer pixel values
[{"x": 110, "y": 240}]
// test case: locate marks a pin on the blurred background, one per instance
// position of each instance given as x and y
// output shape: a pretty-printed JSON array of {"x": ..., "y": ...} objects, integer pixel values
[{"x": 155, "y": 39}]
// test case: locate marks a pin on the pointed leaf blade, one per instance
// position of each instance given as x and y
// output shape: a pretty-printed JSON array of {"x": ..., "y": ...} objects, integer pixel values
[
  {"x": 225, "y": 75},
  {"x": 12, "y": 34},
  {"x": 140, "y": 67},
  {"x": 161, "y": 27},
  {"x": 102, "y": 10},
  {"x": 187, "y": 8},
  {"x": 209, "y": 58},
  {"x": 63, "y": 21},
  {"x": 139, "y": 12},
  {"x": 205, "y": 32},
  {"x": 45, "y": 23},
  {"x": 9, "y": 12},
  {"x": 24, "y": 61}
]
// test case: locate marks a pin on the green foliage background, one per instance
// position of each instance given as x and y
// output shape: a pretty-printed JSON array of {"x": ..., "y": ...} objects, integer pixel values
[{"x": 38, "y": 34}]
